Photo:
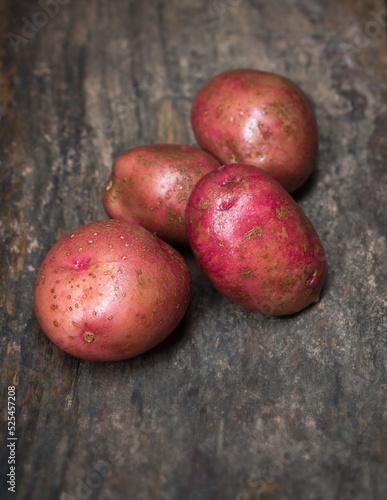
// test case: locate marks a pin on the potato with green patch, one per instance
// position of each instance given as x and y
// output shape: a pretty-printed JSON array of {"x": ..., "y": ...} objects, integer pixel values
[
  {"x": 150, "y": 185},
  {"x": 111, "y": 290},
  {"x": 254, "y": 242}
]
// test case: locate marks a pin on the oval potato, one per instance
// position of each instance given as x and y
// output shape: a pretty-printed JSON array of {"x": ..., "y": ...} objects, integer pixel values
[
  {"x": 150, "y": 185},
  {"x": 258, "y": 118},
  {"x": 254, "y": 242}
]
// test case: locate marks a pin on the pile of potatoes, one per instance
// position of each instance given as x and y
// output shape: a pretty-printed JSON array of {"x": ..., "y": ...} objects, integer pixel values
[{"x": 114, "y": 289}]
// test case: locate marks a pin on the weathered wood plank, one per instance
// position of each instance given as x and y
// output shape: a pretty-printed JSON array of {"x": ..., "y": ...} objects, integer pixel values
[{"x": 234, "y": 405}]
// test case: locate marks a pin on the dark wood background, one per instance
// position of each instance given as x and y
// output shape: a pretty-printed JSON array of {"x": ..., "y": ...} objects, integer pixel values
[{"x": 233, "y": 405}]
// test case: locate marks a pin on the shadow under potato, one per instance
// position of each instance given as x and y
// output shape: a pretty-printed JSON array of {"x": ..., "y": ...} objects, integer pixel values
[{"x": 309, "y": 185}]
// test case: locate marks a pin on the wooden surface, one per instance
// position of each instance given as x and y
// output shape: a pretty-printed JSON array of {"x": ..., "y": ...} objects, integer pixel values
[{"x": 234, "y": 405}]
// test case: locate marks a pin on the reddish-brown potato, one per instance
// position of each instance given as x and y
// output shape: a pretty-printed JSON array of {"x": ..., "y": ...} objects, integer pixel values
[
  {"x": 254, "y": 242},
  {"x": 150, "y": 185},
  {"x": 111, "y": 290},
  {"x": 259, "y": 118}
]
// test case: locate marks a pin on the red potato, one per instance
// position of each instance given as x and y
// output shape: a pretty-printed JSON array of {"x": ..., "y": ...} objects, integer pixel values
[
  {"x": 258, "y": 118},
  {"x": 111, "y": 290},
  {"x": 254, "y": 242},
  {"x": 150, "y": 185}
]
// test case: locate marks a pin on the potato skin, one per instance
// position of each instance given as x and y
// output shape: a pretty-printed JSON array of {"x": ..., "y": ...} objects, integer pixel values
[
  {"x": 150, "y": 185},
  {"x": 254, "y": 242},
  {"x": 111, "y": 290},
  {"x": 258, "y": 118}
]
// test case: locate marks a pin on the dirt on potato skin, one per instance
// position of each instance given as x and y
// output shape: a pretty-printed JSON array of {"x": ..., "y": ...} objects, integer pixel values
[
  {"x": 150, "y": 185},
  {"x": 111, "y": 290},
  {"x": 270, "y": 258},
  {"x": 259, "y": 118}
]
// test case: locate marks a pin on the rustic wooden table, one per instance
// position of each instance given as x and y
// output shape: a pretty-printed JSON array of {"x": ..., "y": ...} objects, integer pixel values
[{"x": 233, "y": 405}]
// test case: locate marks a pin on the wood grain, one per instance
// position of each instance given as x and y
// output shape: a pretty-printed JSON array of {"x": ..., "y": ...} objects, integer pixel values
[{"x": 233, "y": 405}]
